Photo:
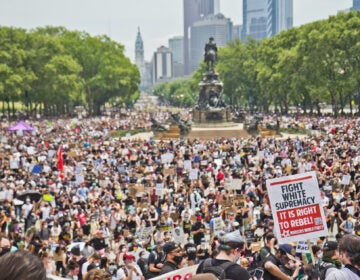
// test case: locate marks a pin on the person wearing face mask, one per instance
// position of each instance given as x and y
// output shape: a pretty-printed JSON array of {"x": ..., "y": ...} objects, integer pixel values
[
  {"x": 155, "y": 261},
  {"x": 130, "y": 270},
  {"x": 224, "y": 265},
  {"x": 290, "y": 267},
  {"x": 349, "y": 249},
  {"x": 173, "y": 257},
  {"x": 282, "y": 257},
  {"x": 329, "y": 259}
]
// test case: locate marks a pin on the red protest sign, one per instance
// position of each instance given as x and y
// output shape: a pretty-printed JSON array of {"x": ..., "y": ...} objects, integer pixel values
[{"x": 296, "y": 204}]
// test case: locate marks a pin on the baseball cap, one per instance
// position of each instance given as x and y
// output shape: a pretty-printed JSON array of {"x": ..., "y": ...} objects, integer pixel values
[
  {"x": 330, "y": 245},
  {"x": 169, "y": 247},
  {"x": 232, "y": 237},
  {"x": 128, "y": 256},
  {"x": 289, "y": 250}
]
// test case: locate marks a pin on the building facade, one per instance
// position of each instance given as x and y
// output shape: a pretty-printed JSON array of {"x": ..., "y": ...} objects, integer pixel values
[
  {"x": 176, "y": 46},
  {"x": 140, "y": 62},
  {"x": 356, "y": 5},
  {"x": 193, "y": 11},
  {"x": 162, "y": 65},
  {"x": 266, "y": 18},
  {"x": 217, "y": 26}
]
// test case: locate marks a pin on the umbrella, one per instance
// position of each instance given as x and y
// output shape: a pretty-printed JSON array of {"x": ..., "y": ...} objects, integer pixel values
[
  {"x": 21, "y": 126},
  {"x": 33, "y": 195}
]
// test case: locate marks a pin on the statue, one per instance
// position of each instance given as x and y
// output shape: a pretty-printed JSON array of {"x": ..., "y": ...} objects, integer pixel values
[
  {"x": 210, "y": 55},
  {"x": 183, "y": 125},
  {"x": 156, "y": 126}
]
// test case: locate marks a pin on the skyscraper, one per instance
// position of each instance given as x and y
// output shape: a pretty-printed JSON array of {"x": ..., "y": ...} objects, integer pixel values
[
  {"x": 176, "y": 46},
  {"x": 162, "y": 65},
  {"x": 356, "y": 5},
  {"x": 217, "y": 26},
  {"x": 193, "y": 10},
  {"x": 266, "y": 18}
]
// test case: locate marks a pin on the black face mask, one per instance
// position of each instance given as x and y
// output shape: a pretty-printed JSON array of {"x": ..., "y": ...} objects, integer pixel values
[
  {"x": 178, "y": 259},
  {"x": 4, "y": 250}
]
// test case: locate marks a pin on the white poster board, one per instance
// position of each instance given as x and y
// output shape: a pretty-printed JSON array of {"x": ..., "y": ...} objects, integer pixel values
[
  {"x": 159, "y": 189},
  {"x": 296, "y": 204}
]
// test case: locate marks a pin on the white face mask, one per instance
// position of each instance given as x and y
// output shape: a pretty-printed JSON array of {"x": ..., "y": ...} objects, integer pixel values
[{"x": 320, "y": 254}]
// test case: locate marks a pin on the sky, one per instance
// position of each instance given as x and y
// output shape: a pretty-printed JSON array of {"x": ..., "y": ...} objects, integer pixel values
[{"x": 158, "y": 20}]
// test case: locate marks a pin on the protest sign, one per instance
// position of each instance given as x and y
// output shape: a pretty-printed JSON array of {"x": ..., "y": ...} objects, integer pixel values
[
  {"x": 218, "y": 225},
  {"x": 159, "y": 189},
  {"x": 233, "y": 184},
  {"x": 296, "y": 204},
  {"x": 345, "y": 179},
  {"x": 167, "y": 158},
  {"x": 302, "y": 246},
  {"x": 168, "y": 171},
  {"x": 193, "y": 174},
  {"x": 146, "y": 233},
  {"x": 187, "y": 164},
  {"x": 178, "y": 235},
  {"x": 179, "y": 274}
]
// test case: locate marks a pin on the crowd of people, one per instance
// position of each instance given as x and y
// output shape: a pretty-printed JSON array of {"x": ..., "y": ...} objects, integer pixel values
[{"x": 87, "y": 203}]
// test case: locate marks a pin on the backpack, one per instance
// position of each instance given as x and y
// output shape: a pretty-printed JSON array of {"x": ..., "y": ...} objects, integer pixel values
[
  {"x": 323, "y": 267},
  {"x": 219, "y": 271}
]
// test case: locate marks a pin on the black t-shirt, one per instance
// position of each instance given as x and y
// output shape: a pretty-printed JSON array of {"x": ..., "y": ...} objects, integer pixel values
[
  {"x": 86, "y": 229},
  {"x": 270, "y": 258},
  {"x": 168, "y": 267},
  {"x": 234, "y": 272},
  {"x": 198, "y": 236},
  {"x": 97, "y": 243},
  {"x": 154, "y": 258}
]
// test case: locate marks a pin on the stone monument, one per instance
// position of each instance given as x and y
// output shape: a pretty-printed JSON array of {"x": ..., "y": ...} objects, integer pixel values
[{"x": 210, "y": 107}]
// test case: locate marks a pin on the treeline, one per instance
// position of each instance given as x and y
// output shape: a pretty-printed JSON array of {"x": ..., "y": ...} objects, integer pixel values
[
  {"x": 54, "y": 70},
  {"x": 305, "y": 66}
]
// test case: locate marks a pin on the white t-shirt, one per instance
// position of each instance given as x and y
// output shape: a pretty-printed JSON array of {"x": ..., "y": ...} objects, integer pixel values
[{"x": 120, "y": 274}]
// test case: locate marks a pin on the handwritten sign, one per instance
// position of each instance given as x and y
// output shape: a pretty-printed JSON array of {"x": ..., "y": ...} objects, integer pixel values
[{"x": 296, "y": 203}]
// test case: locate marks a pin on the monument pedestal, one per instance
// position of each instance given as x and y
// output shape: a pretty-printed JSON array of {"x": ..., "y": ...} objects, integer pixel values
[{"x": 211, "y": 116}]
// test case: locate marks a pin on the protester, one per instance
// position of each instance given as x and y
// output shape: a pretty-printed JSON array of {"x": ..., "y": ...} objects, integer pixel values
[
  {"x": 223, "y": 265},
  {"x": 350, "y": 255},
  {"x": 130, "y": 270},
  {"x": 21, "y": 265},
  {"x": 283, "y": 256},
  {"x": 108, "y": 191},
  {"x": 173, "y": 257}
]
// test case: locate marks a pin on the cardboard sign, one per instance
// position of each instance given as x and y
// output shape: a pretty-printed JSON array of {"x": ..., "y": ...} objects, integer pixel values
[
  {"x": 175, "y": 216},
  {"x": 168, "y": 171},
  {"x": 255, "y": 246},
  {"x": 296, "y": 204}
]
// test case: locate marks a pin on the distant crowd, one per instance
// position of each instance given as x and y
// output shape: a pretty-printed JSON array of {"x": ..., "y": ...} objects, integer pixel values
[{"x": 91, "y": 206}]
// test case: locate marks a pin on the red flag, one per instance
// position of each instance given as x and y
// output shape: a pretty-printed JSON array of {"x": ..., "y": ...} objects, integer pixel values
[{"x": 60, "y": 162}]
